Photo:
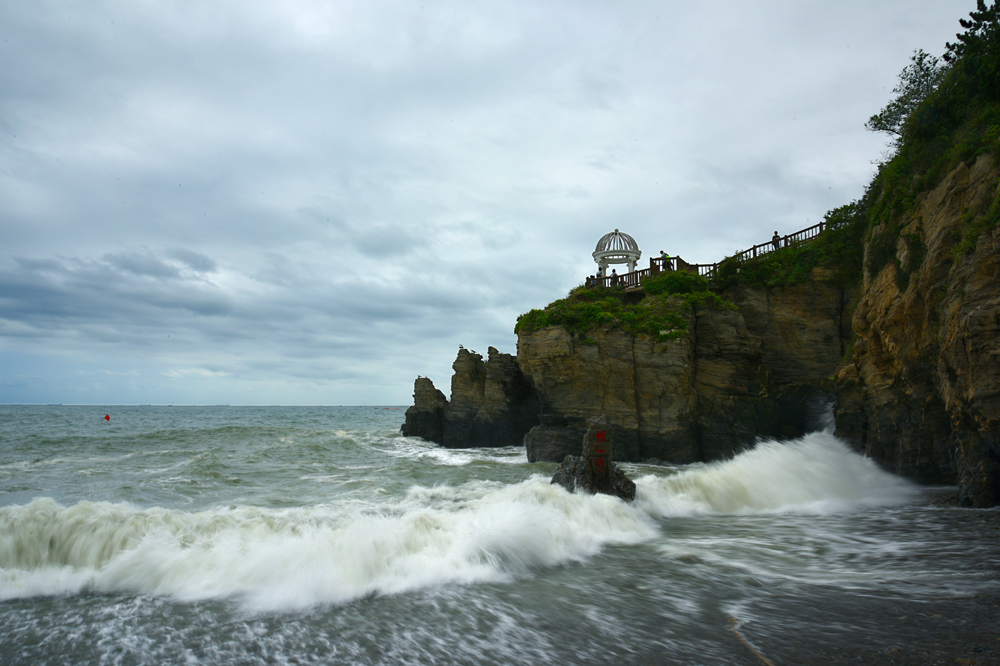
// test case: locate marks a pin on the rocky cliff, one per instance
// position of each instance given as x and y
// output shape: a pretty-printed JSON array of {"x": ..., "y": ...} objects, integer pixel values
[
  {"x": 491, "y": 404},
  {"x": 911, "y": 358},
  {"x": 921, "y": 393},
  {"x": 759, "y": 370}
]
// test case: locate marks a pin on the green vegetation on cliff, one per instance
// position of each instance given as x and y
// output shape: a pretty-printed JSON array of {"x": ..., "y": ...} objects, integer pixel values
[
  {"x": 839, "y": 249},
  {"x": 659, "y": 313},
  {"x": 945, "y": 112}
]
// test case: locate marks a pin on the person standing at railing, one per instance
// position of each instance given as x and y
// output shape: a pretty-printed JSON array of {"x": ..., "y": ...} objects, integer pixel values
[
  {"x": 776, "y": 240},
  {"x": 665, "y": 258},
  {"x": 614, "y": 278}
]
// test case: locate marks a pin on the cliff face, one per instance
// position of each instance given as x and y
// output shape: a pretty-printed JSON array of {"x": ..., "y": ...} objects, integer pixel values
[
  {"x": 643, "y": 387},
  {"x": 426, "y": 417},
  {"x": 922, "y": 391},
  {"x": 491, "y": 404},
  {"x": 912, "y": 358},
  {"x": 734, "y": 375}
]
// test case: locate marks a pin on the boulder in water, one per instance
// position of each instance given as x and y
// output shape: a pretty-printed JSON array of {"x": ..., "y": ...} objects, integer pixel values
[{"x": 595, "y": 471}]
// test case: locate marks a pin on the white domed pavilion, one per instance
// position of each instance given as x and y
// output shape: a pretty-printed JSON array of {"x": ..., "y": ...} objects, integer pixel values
[{"x": 616, "y": 248}]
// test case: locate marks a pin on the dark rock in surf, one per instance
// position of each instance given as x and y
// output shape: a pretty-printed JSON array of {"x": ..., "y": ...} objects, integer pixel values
[
  {"x": 426, "y": 417},
  {"x": 573, "y": 474},
  {"x": 491, "y": 404},
  {"x": 595, "y": 471}
]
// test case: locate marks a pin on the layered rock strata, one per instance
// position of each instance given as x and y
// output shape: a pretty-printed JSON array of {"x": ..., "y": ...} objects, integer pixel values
[
  {"x": 912, "y": 358},
  {"x": 426, "y": 417},
  {"x": 734, "y": 375},
  {"x": 491, "y": 404},
  {"x": 921, "y": 393}
]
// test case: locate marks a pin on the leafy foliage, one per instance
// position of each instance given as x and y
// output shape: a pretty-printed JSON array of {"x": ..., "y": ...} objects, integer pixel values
[
  {"x": 917, "y": 80},
  {"x": 956, "y": 122},
  {"x": 675, "y": 282},
  {"x": 839, "y": 248},
  {"x": 978, "y": 50},
  {"x": 659, "y": 313},
  {"x": 976, "y": 222},
  {"x": 942, "y": 115}
]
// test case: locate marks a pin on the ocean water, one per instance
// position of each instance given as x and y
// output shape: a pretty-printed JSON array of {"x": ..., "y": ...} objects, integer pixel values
[{"x": 319, "y": 535}]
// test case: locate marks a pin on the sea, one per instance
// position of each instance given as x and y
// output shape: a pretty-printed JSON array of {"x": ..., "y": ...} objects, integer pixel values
[{"x": 320, "y": 535}]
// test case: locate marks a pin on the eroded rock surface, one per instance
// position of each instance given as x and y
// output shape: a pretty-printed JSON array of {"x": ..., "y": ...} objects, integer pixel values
[
  {"x": 426, "y": 417},
  {"x": 912, "y": 357},
  {"x": 491, "y": 404},
  {"x": 760, "y": 370},
  {"x": 922, "y": 391},
  {"x": 595, "y": 471}
]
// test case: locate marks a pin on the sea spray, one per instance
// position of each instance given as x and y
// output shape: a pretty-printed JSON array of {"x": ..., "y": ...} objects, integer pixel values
[
  {"x": 302, "y": 508},
  {"x": 817, "y": 473},
  {"x": 473, "y": 532},
  {"x": 306, "y": 556}
]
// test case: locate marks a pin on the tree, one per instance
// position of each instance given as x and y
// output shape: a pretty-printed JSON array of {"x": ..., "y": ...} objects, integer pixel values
[
  {"x": 980, "y": 32},
  {"x": 977, "y": 51},
  {"x": 917, "y": 80}
]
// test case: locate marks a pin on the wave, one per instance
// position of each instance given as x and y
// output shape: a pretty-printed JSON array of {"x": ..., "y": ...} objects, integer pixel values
[
  {"x": 303, "y": 557},
  {"x": 478, "y": 531},
  {"x": 815, "y": 474}
]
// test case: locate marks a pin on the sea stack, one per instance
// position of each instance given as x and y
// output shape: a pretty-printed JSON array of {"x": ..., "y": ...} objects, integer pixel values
[{"x": 595, "y": 470}]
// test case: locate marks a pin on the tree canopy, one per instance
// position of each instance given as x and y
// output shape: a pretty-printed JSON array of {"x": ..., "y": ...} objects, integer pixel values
[{"x": 917, "y": 80}]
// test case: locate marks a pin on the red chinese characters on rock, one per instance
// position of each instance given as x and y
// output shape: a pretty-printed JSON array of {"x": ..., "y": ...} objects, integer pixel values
[{"x": 598, "y": 456}]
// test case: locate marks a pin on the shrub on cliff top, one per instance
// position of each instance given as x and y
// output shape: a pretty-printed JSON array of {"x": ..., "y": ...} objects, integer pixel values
[
  {"x": 588, "y": 308},
  {"x": 956, "y": 120},
  {"x": 693, "y": 289},
  {"x": 658, "y": 313},
  {"x": 839, "y": 248},
  {"x": 674, "y": 282}
]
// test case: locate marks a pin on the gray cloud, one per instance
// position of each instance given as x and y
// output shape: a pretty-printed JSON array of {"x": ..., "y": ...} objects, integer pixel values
[{"x": 314, "y": 202}]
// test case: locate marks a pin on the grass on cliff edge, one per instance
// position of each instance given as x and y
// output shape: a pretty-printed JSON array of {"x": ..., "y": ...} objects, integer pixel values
[
  {"x": 660, "y": 313},
  {"x": 839, "y": 248}
]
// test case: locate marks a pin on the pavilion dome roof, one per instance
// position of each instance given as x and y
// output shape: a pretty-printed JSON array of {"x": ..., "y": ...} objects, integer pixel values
[{"x": 617, "y": 241}]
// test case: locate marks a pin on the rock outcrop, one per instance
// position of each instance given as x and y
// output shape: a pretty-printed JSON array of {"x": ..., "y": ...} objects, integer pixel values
[
  {"x": 426, "y": 417},
  {"x": 491, "y": 404},
  {"x": 911, "y": 357},
  {"x": 921, "y": 393},
  {"x": 735, "y": 375},
  {"x": 595, "y": 471}
]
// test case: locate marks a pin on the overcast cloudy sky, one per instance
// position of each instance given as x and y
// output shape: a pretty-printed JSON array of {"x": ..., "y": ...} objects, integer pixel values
[{"x": 312, "y": 202}]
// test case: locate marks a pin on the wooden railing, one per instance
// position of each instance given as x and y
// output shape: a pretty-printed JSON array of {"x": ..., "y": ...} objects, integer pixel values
[
  {"x": 633, "y": 279},
  {"x": 783, "y": 241}
]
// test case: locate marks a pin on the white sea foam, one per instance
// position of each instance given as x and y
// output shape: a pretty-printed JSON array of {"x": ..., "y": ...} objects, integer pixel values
[
  {"x": 815, "y": 474},
  {"x": 302, "y": 557},
  {"x": 478, "y": 531}
]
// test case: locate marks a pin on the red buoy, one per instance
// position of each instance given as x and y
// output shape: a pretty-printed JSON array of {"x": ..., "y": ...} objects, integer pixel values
[{"x": 107, "y": 417}]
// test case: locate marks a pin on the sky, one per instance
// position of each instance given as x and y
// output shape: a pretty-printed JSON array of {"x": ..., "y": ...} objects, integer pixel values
[{"x": 312, "y": 202}]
